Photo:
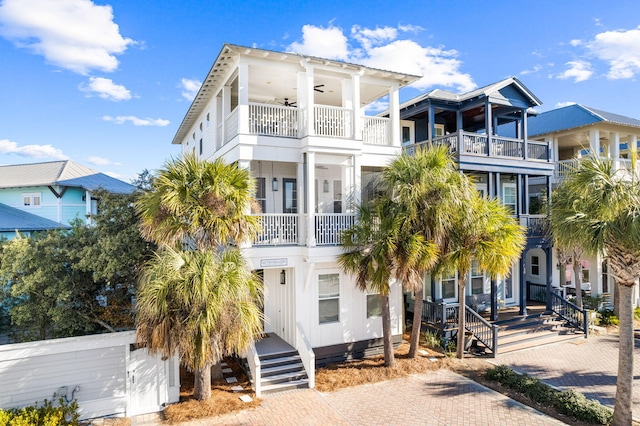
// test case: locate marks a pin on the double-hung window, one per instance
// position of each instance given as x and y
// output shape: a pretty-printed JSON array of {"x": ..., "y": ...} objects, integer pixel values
[
  {"x": 329, "y": 298},
  {"x": 32, "y": 199}
]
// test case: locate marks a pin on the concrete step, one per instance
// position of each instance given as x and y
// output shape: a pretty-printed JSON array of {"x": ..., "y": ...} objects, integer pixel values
[
  {"x": 549, "y": 338},
  {"x": 275, "y": 355},
  {"x": 274, "y": 362},
  {"x": 281, "y": 369},
  {"x": 279, "y": 387},
  {"x": 291, "y": 376}
]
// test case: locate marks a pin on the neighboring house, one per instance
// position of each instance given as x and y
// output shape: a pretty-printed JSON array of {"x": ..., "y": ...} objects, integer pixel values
[
  {"x": 298, "y": 123},
  {"x": 574, "y": 131},
  {"x": 485, "y": 130},
  {"x": 14, "y": 222},
  {"x": 59, "y": 191}
]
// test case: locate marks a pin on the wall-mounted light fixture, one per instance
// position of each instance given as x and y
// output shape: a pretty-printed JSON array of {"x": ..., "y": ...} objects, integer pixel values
[
  {"x": 274, "y": 184},
  {"x": 325, "y": 186},
  {"x": 283, "y": 277}
]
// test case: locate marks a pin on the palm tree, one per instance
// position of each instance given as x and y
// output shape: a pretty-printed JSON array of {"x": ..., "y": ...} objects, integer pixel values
[
  {"x": 483, "y": 232},
  {"x": 427, "y": 189},
  {"x": 373, "y": 248},
  {"x": 200, "y": 304},
  {"x": 598, "y": 208},
  {"x": 199, "y": 206}
]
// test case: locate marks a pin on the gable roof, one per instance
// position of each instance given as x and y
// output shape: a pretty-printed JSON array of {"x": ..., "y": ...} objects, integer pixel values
[
  {"x": 485, "y": 91},
  {"x": 62, "y": 173},
  {"x": 574, "y": 116},
  {"x": 12, "y": 219}
]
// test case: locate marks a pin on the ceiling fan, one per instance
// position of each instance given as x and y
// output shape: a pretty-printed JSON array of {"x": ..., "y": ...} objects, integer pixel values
[
  {"x": 317, "y": 88},
  {"x": 289, "y": 104}
]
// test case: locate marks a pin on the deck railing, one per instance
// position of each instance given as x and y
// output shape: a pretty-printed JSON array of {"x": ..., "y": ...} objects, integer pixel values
[
  {"x": 482, "y": 329},
  {"x": 536, "y": 224},
  {"x": 230, "y": 126},
  {"x": 273, "y": 120},
  {"x": 376, "y": 130},
  {"x": 571, "y": 313},
  {"x": 307, "y": 356},
  {"x": 277, "y": 229},
  {"x": 538, "y": 150},
  {"x": 564, "y": 167},
  {"x": 333, "y": 121},
  {"x": 254, "y": 367},
  {"x": 329, "y": 226}
]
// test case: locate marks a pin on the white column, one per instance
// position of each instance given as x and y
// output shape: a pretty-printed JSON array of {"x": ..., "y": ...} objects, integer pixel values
[
  {"x": 357, "y": 111},
  {"x": 488, "y": 120},
  {"x": 226, "y": 110},
  {"x": 310, "y": 113},
  {"x": 594, "y": 141},
  {"x": 357, "y": 180},
  {"x": 87, "y": 205},
  {"x": 302, "y": 196},
  {"x": 394, "y": 115},
  {"x": 311, "y": 199},
  {"x": 243, "y": 98},
  {"x": 614, "y": 148}
]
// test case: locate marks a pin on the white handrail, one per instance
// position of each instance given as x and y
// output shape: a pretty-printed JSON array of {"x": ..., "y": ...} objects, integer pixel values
[
  {"x": 308, "y": 357},
  {"x": 254, "y": 366}
]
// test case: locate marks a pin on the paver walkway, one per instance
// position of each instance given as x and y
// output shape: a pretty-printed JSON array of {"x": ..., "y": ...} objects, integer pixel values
[
  {"x": 434, "y": 398},
  {"x": 589, "y": 366}
]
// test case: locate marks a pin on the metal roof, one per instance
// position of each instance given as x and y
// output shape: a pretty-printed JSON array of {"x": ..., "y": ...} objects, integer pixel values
[
  {"x": 62, "y": 173},
  {"x": 573, "y": 116},
  {"x": 12, "y": 219}
]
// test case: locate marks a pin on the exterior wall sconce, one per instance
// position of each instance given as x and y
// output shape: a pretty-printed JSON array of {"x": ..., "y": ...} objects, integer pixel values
[
  {"x": 283, "y": 277},
  {"x": 325, "y": 186},
  {"x": 274, "y": 184}
]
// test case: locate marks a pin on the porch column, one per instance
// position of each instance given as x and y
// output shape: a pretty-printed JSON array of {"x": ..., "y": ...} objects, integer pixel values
[
  {"x": 525, "y": 194},
  {"x": 525, "y": 137},
  {"x": 497, "y": 186},
  {"x": 355, "y": 106},
  {"x": 243, "y": 98},
  {"x": 310, "y": 104},
  {"x": 311, "y": 196},
  {"x": 302, "y": 195},
  {"x": 548, "y": 251},
  {"x": 494, "y": 300},
  {"x": 491, "y": 185},
  {"x": 523, "y": 284},
  {"x": 226, "y": 110},
  {"x": 594, "y": 141},
  {"x": 488, "y": 122},
  {"x": 614, "y": 148},
  {"x": 431, "y": 126},
  {"x": 394, "y": 115},
  {"x": 218, "y": 122},
  {"x": 519, "y": 196},
  {"x": 87, "y": 206},
  {"x": 459, "y": 129},
  {"x": 356, "y": 191}
]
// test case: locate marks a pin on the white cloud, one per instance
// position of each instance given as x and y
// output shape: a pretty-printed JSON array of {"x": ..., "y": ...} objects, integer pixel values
[
  {"x": 121, "y": 119},
  {"x": 575, "y": 42},
  {"x": 101, "y": 161},
  {"x": 32, "y": 151},
  {"x": 106, "y": 89},
  {"x": 77, "y": 35},
  {"x": 382, "y": 48},
  {"x": 378, "y": 106},
  {"x": 189, "y": 88},
  {"x": 620, "y": 49},
  {"x": 328, "y": 43},
  {"x": 533, "y": 70},
  {"x": 564, "y": 104},
  {"x": 578, "y": 70}
]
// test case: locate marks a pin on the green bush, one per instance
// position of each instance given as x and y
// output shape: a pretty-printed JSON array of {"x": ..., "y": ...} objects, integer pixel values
[
  {"x": 592, "y": 302},
  {"x": 636, "y": 313},
  {"x": 47, "y": 414},
  {"x": 607, "y": 317},
  {"x": 432, "y": 340},
  {"x": 566, "y": 402}
]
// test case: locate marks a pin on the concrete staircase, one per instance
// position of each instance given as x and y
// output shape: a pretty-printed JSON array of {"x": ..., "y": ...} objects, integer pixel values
[
  {"x": 282, "y": 371},
  {"x": 533, "y": 330}
]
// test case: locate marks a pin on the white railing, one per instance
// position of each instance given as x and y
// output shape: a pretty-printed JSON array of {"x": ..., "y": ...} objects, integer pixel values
[
  {"x": 538, "y": 150},
  {"x": 231, "y": 126},
  {"x": 473, "y": 143},
  {"x": 277, "y": 229},
  {"x": 254, "y": 366},
  {"x": 507, "y": 147},
  {"x": 273, "y": 120},
  {"x": 307, "y": 356},
  {"x": 329, "y": 226},
  {"x": 333, "y": 121},
  {"x": 375, "y": 130},
  {"x": 219, "y": 140},
  {"x": 564, "y": 167},
  {"x": 536, "y": 224}
]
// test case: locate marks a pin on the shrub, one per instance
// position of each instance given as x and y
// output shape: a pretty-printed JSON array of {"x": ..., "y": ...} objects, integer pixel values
[
  {"x": 567, "y": 402},
  {"x": 432, "y": 340},
  {"x": 47, "y": 414},
  {"x": 592, "y": 302},
  {"x": 636, "y": 313},
  {"x": 607, "y": 317}
]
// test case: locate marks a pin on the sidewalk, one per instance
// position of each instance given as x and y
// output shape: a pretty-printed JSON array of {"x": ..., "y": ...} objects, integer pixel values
[
  {"x": 435, "y": 398},
  {"x": 589, "y": 366}
]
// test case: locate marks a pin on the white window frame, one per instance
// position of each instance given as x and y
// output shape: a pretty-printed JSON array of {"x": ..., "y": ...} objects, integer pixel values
[
  {"x": 328, "y": 297},
  {"x": 535, "y": 265},
  {"x": 374, "y": 303},
  {"x": 32, "y": 197},
  {"x": 438, "y": 130},
  {"x": 476, "y": 273},
  {"x": 449, "y": 277},
  {"x": 513, "y": 186},
  {"x": 411, "y": 125}
]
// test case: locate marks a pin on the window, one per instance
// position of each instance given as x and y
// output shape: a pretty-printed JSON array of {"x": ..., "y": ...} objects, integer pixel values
[
  {"x": 448, "y": 285},
  {"x": 509, "y": 196},
  {"x": 200, "y": 146},
  {"x": 208, "y": 121},
  {"x": 261, "y": 193},
  {"x": 374, "y": 304},
  {"x": 535, "y": 265},
  {"x": 408, "y": 131},
  {"x": 438, "y": 130},
  {"x": 585, "y": 271},
  {"x": 328, "y": 298},
  {"x": 32, "y": 199},
  {"x": 477, "y": 280}
]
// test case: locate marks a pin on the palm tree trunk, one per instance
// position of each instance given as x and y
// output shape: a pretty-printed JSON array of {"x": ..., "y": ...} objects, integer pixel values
[
  {"x": 216, "y": 371},
  {"x": 389, "y": 359},
  {"x": 462, "y": 283},
  {"x": 202, "y": 383},
  {"x": 577, "y": 272},
  {"x": 622, "y": 411},
  {"x": 417, "y": 322}
]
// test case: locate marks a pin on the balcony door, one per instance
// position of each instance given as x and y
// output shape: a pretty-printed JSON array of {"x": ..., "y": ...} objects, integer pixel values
[{"x": 289, "y": 196}]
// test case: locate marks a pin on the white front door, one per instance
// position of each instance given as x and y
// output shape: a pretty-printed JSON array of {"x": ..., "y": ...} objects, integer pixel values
[
  {"x": 283, "y": 305},
  {"x": 144, "y": 380}
]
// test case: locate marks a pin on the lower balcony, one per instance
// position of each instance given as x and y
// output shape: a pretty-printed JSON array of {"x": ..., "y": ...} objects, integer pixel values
[{"x": 281, "y": 229}]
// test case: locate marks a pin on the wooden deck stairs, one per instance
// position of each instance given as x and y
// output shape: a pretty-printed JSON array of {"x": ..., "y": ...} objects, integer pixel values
[
  {"x": 281, "y": 367},
  {"x": 528, "y": 331}
]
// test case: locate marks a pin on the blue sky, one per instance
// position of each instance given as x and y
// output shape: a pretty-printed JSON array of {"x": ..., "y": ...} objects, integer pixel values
[{"x": 107, "y": 84}]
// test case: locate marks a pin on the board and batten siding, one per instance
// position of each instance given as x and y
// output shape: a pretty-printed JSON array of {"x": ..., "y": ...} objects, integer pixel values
[{"x": 95, "y": 370}]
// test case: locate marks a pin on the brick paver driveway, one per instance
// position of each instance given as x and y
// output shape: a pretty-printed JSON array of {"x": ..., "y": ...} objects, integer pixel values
[
  {"x": 435, "y": 398},
  {"x": 589, "y": 366}
]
